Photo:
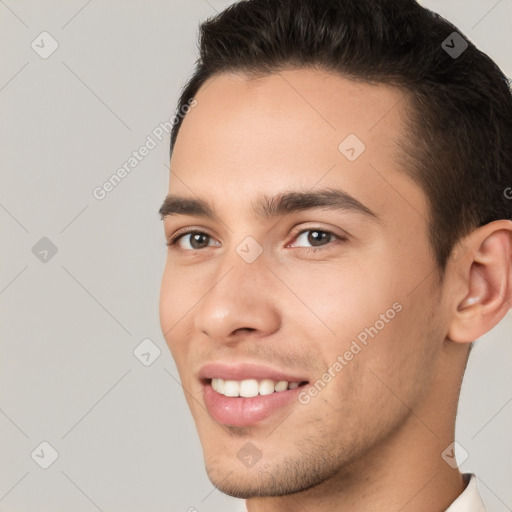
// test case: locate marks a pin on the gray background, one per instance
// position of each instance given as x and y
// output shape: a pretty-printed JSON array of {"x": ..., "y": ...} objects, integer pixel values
[{"x": 70, "y": 323}]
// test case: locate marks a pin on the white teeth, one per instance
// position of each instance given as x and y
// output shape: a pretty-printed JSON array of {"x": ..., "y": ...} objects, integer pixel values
[
  {"x": 250, "y": 387},
  {"x": 231, "y": 388},
  {"x": 266, "y": 387},
  {"x": 282, "y": 385},
  {"x": 218, "y": 385}
]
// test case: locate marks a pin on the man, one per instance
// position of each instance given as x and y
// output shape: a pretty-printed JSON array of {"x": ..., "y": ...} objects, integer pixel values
[{"x": 337, "y": 240}]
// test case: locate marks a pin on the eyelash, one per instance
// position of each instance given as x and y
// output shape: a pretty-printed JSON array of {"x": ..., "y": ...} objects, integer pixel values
[{"x": 173, "y": 240}]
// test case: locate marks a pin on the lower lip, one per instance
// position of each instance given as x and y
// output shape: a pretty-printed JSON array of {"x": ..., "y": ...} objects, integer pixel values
[{"x": 244, "y": 412}]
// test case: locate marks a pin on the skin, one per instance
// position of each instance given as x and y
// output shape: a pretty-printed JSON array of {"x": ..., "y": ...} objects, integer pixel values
[{"x": 373, "y": 436}]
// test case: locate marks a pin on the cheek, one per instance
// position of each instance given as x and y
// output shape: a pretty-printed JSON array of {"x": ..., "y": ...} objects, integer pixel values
[
  {"x": 347, "y": 297},
  {"x": 382, "y": 336},
  {"x": 176, "y": 302},
  {"x": 371, "y": 383},
  {"x": 166, "y": 303},
  {"x": 394, "y": 369}
]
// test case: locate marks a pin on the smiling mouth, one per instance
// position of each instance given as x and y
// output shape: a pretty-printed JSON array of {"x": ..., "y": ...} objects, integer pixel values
[
  {"x": 250, "y": 388},
  {"x": 247, "y": 394}
]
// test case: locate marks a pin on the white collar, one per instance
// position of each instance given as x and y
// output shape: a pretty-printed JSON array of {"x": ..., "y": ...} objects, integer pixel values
[{"x": 469, "y": 500}]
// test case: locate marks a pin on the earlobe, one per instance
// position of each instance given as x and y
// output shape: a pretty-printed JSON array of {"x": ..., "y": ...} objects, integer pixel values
[{"x": 486, "y": 272}]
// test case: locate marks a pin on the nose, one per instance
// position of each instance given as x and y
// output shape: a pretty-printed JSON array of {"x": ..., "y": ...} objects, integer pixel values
[{"x": 241, "y": 300}]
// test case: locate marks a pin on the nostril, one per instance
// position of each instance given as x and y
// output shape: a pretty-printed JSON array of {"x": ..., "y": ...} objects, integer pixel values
[{"x": 244, "y": 329}]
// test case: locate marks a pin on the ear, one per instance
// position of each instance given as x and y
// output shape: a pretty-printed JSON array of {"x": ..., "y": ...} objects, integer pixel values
[{"x": 484, "y": 281}]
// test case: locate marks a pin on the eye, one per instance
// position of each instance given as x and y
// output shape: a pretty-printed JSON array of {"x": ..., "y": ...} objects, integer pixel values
[
  {"x": 315, "y": 238},
  {"x": 192, "y": 240}
]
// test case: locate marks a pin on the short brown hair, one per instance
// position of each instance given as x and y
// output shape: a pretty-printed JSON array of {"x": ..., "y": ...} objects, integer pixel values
[{"x": 459, "y": 148}]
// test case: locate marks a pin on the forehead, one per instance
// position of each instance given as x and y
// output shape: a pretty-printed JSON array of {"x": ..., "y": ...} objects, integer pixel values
[
  {"x": 295, "y": 128},
  {"x": 328, "y": 103}
]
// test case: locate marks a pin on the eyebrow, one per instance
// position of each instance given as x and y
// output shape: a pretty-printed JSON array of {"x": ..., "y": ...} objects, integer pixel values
[{"x": 268, "y": 207}]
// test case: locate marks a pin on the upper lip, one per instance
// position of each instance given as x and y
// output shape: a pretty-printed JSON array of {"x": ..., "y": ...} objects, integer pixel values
[{"x": 244, "y": 371}]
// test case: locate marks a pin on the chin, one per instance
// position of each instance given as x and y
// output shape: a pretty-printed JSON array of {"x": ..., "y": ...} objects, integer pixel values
[{"x": 269, "y": 478}]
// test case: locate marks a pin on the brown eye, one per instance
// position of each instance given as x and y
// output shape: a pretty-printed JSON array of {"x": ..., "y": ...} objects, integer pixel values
[
  {"x": 314, "y": 237},
  {"x": 198, "y": 240},
  {"x": 192, "y": 241}
]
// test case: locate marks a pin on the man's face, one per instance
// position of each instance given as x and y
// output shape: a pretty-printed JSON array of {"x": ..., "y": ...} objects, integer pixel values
[{"x": 340, "y": 305}]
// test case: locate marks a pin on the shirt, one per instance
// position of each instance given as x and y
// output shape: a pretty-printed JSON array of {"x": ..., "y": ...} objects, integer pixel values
[{"x": 469, "y": 500}]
